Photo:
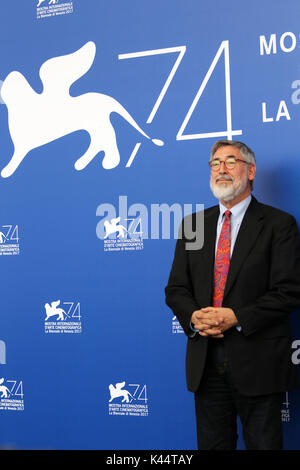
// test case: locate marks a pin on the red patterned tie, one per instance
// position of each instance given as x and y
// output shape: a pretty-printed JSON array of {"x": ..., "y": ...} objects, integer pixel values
[{"x": 222, "y": 262}]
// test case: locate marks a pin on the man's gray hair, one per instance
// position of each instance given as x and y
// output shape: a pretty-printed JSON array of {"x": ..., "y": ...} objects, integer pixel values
[{"x": 246, "y": 152}]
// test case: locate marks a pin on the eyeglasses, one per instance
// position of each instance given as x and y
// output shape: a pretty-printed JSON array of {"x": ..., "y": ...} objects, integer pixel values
[{"x": 230, "y": 163}]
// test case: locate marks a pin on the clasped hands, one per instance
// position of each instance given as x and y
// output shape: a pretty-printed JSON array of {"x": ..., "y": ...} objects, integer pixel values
[{"x": 213, "y": 321}]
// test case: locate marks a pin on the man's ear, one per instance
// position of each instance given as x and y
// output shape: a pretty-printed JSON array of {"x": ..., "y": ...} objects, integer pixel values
[{"x": 251, "y": 172}]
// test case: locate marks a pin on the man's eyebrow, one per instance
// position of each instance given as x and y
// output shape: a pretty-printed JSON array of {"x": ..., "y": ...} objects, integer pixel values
[{"x": 227, "y": 156}]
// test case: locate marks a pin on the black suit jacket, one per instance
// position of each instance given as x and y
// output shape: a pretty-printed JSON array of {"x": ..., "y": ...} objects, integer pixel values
[{"x": 262, "y": 288}]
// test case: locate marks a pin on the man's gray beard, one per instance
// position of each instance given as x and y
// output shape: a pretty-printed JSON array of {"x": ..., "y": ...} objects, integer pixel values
[{"x": 229, "y": 192}]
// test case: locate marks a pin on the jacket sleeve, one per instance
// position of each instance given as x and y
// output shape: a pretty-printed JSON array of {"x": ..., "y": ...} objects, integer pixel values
[
  {"x": 283, "y": 295},
  {"x": 179, "y": 291}
]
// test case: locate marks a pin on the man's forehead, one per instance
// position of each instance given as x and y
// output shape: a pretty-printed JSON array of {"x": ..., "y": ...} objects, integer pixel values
[{"x": 227, "y": 151}]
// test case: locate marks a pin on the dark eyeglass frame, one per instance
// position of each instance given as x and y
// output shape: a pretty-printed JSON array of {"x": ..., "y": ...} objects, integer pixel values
[{"x": 229, "y": 165}]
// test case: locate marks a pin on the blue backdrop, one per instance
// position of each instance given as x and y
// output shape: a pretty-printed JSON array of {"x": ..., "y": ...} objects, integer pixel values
[{"x": 91, "y": 356}]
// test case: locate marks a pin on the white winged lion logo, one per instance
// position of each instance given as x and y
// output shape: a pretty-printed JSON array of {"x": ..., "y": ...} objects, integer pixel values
[
  {"x": 116, "y": 392},
  {"x": 35, "y": 119},
  {"x": 53, "y": 309},
  {"x": 114, "y": 227},
  {"x": 5, "y": 392},
  {"x": 51, "y": 2}
]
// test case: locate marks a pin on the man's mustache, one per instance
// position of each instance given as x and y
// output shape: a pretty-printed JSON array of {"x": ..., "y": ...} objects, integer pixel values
[{"x": 224, "y": 177}]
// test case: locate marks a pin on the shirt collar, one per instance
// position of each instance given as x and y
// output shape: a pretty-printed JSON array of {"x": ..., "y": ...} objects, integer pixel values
[{"x": 238, "y": 209}]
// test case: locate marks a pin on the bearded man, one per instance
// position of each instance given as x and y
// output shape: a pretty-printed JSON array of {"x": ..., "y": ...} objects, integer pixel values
[{"x": 233, "y": 297}]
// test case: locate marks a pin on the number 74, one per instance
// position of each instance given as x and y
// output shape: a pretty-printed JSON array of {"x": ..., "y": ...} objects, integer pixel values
[{"x": 223, "y": 49}]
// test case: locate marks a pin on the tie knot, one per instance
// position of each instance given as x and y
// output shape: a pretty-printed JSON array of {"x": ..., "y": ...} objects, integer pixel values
[{"x": 227, "y": 214}]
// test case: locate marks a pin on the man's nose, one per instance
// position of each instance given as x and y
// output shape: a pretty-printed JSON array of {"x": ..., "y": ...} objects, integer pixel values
[{"x": 221, "y": 169}]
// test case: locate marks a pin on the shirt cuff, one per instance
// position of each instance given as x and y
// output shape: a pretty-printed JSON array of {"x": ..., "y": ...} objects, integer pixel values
[{"x": 192, "y": 328}]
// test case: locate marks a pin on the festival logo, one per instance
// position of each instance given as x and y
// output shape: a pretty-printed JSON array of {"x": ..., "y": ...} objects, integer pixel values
[
  {"x": 11, "y": 395},
  {"x": 9, "y": 240},
  {"x": 119, "y": 238},
  {"x": 63, "y": 318},
  {"x": 35, "y": 119},
  {"x": 47, "y": 8},
  {"x": 129, "y": 401}
]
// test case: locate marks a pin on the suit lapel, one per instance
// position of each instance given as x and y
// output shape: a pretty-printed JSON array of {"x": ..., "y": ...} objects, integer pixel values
[{"x": 249, "y": 230}]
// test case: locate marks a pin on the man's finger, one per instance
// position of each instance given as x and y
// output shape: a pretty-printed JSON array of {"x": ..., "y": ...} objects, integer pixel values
[
  {"x": 210, "y": 331},
  {"x": 208, "y": 322},
  {"x": 206, "y": 315},
  {"x": 207, "y": 327}
]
